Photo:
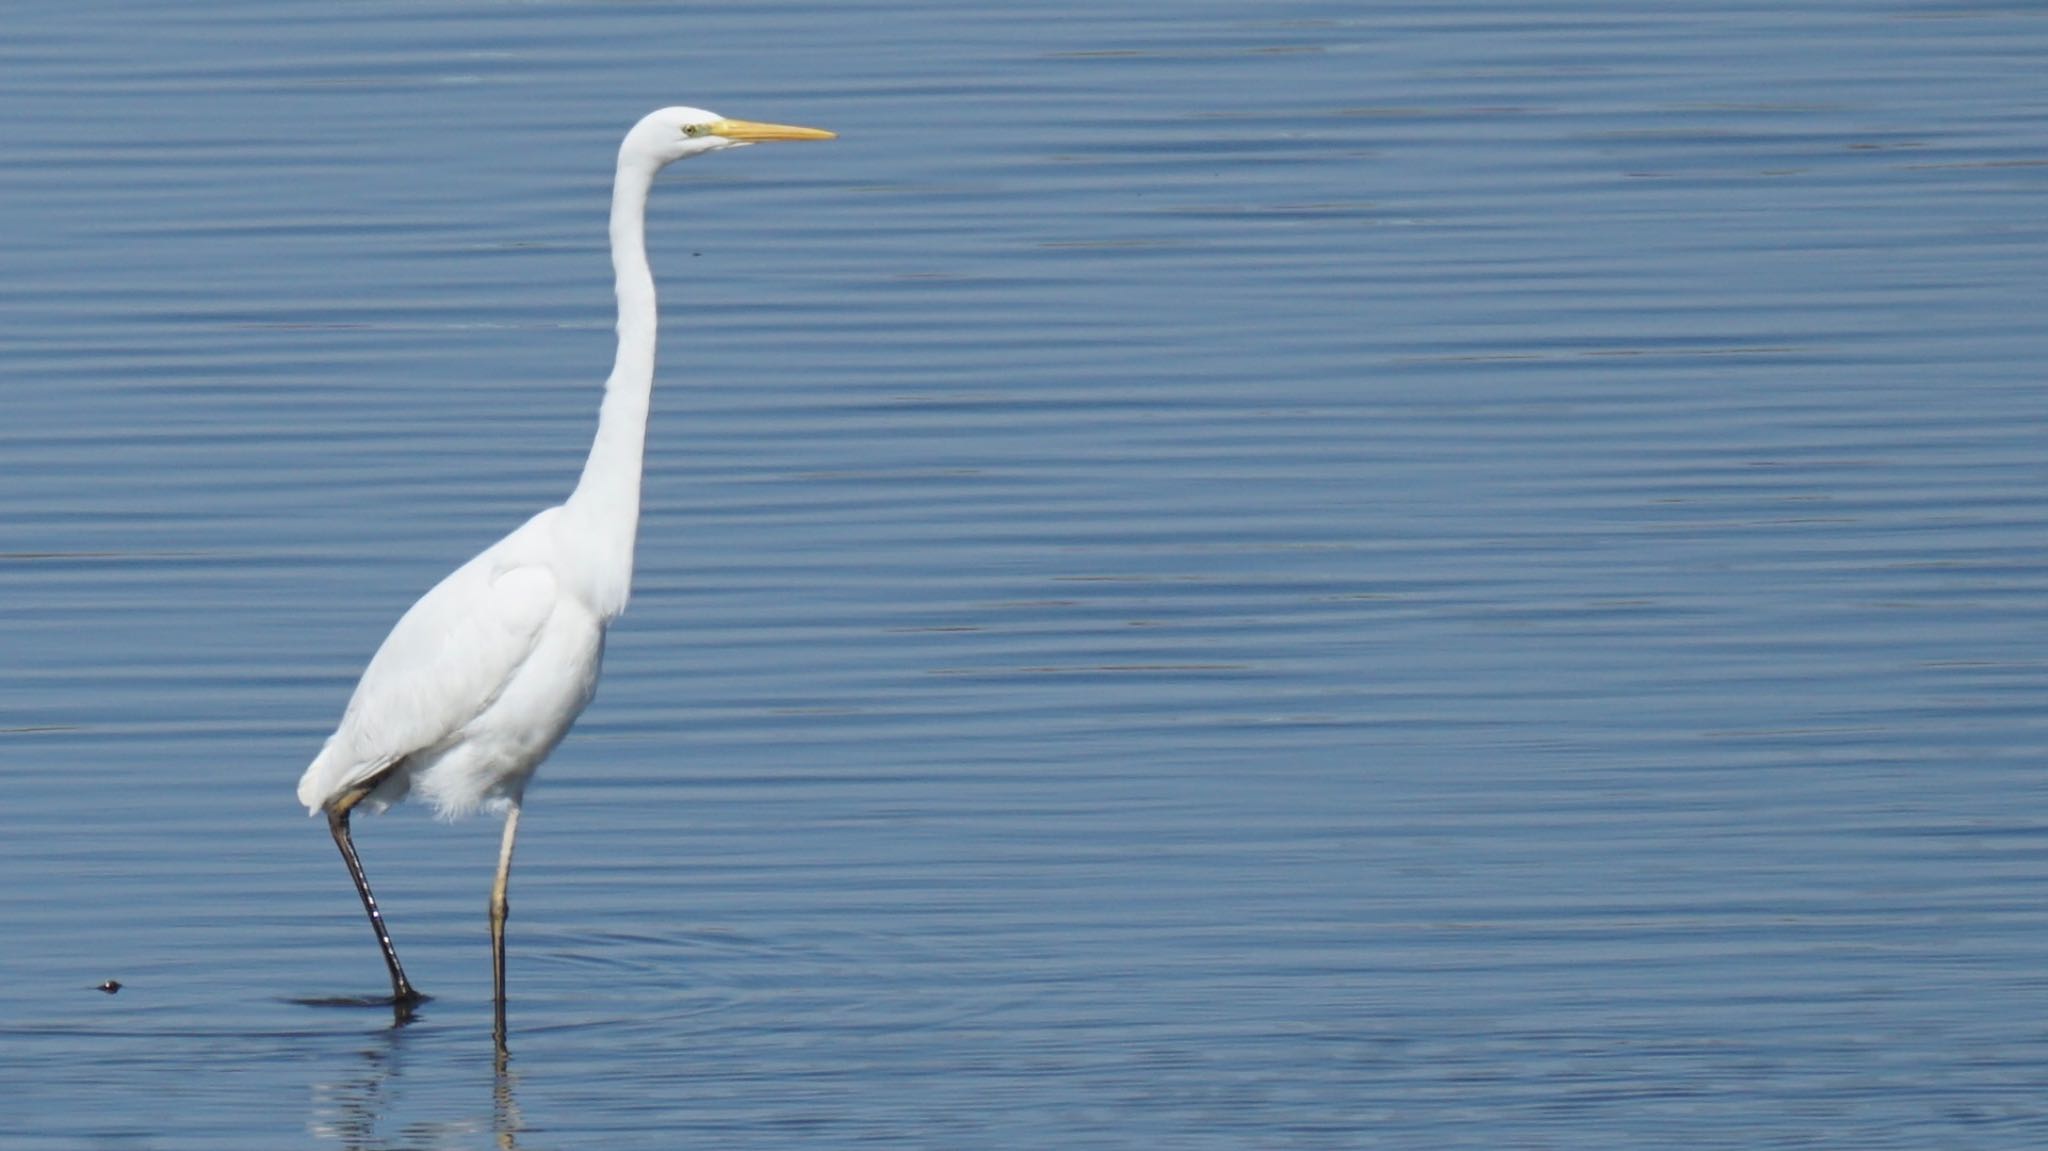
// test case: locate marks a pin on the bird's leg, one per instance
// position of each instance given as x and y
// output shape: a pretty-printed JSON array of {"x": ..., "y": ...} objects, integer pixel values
[
  {"x": 499, "y": 907},
  {"x": 403, "y": 997}
]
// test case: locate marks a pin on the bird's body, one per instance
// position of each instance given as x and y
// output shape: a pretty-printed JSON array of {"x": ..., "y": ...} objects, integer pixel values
[
  {"x": 484, "y": 675},
  {"x": 475, "y": 685}
]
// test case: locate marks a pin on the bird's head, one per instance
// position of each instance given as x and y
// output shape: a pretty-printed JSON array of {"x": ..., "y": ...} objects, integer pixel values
[{"x": 674, "y": 134}]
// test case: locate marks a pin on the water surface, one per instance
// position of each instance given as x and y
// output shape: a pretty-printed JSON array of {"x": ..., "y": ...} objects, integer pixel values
[{"x": 1211, "y": 576}]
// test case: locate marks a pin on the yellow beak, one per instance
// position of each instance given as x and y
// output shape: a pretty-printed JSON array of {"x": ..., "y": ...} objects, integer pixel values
[{"x": 747, "y": 131}]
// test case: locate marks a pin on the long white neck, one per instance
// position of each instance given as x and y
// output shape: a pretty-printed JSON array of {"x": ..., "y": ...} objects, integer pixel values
[{"x": 604, "y": 511}]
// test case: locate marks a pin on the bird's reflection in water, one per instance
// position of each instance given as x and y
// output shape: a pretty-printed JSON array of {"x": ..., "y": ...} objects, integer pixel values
[
  {"x": 505, "y": 1105},
  {"x": 360, "y": 1111}
]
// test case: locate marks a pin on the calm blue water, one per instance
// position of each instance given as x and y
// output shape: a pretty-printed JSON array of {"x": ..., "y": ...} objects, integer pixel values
[{"x": 1214, "y": 575}]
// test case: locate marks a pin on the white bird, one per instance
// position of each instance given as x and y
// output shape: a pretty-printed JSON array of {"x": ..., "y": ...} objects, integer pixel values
[{"x": 482, "y": 677}]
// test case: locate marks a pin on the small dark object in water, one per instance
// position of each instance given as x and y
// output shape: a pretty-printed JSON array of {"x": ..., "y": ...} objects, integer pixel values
[{"x": 110, "y": 986}]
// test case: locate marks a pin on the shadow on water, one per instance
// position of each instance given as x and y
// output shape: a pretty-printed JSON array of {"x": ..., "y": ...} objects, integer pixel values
[{"x": 402, "y": 1010}]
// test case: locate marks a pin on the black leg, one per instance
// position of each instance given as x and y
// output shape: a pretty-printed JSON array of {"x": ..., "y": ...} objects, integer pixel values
[{"x": 403, "y": 997}]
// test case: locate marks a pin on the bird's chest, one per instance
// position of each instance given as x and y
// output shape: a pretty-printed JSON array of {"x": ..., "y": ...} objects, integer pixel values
[{"x": 543, "y": 697}]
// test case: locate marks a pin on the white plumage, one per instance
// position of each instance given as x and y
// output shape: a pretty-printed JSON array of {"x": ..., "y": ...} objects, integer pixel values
[
  {"x": 482, "y": 677},
  {"x": 475, "y": 685}
]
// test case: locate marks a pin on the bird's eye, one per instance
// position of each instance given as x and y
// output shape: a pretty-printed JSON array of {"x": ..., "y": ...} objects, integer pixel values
[{"x": 693, "y": 129}]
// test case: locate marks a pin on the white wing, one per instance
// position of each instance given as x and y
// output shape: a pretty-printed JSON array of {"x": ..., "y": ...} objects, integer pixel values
[{"x": 444, "y": 662}]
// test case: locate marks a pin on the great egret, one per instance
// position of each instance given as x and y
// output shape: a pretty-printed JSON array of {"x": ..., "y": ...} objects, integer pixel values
[{"x": 480, "y": 680}]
